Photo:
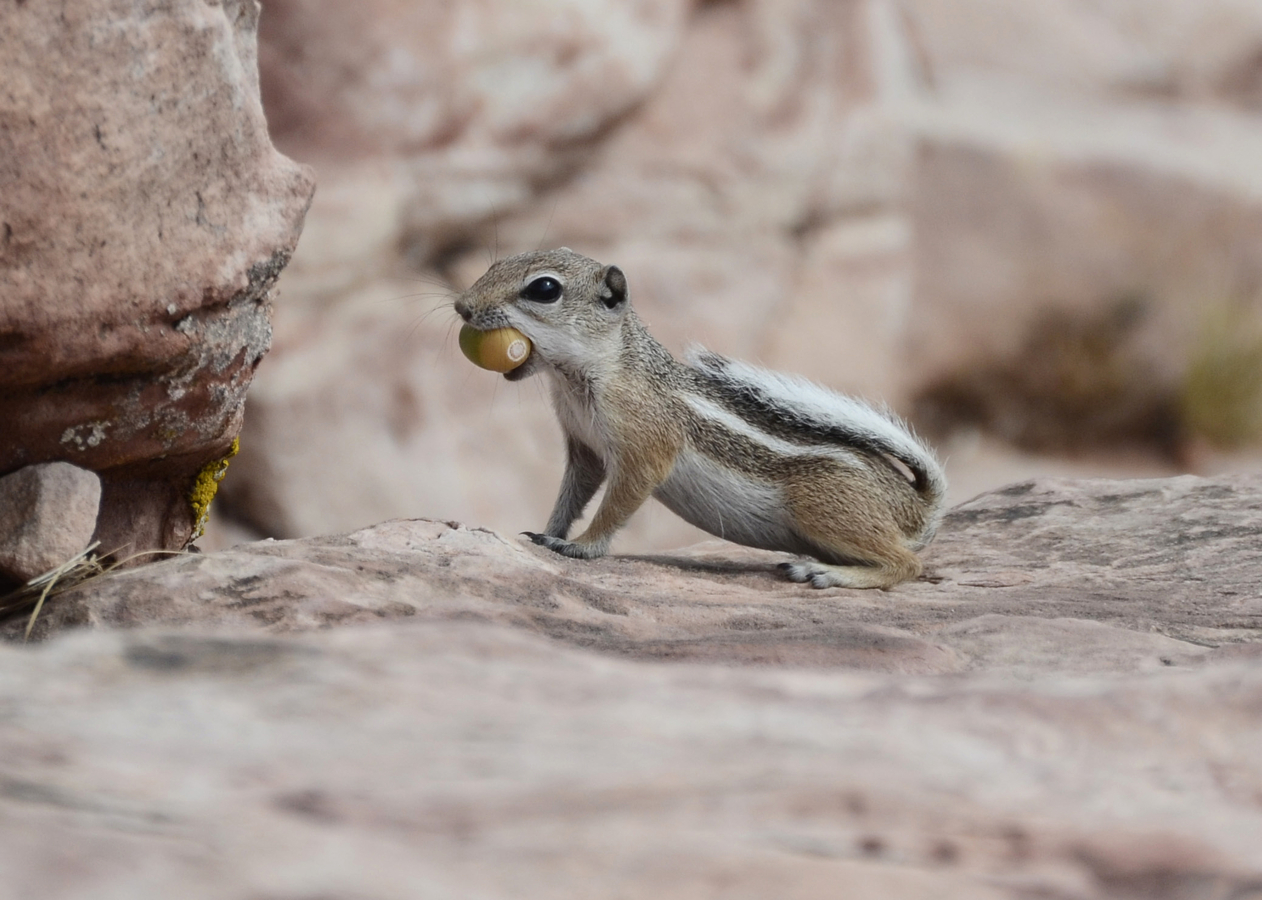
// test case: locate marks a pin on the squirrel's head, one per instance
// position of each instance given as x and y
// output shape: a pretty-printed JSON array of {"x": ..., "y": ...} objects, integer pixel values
[{"x": 571, "y": 307}]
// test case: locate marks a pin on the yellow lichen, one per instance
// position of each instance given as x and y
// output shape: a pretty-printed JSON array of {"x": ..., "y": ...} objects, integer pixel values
[{"x": 205, "y": 486}]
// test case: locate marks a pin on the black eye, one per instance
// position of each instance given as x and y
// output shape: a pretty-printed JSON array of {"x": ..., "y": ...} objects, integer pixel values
[{"x": 542, "y": 290}]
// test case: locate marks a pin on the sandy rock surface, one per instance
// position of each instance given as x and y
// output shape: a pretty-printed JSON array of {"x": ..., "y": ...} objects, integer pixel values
[
  {"x": 462, "y": 760},
  {"x": 1044, "y": 576},
  {"x": 144, "y": 218},
  {"x": 1064, "y": 707}
]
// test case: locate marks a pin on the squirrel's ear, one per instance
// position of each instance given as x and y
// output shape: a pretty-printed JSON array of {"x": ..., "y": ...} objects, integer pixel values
[{"x": 615, "y": 291}]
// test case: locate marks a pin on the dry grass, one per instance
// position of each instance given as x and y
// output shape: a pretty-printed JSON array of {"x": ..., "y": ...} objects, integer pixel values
[
  {"x": 71, "y": 573},
  {"x": 74, "y": 572}
]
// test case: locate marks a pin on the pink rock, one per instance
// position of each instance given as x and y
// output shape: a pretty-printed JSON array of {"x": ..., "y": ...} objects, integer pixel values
[
  {"x": 1044, "y": 715},
  {"x": 144, "y": 217},
  {"x": 47, "y": 515},
  {"x": 1054, "y": 575}
]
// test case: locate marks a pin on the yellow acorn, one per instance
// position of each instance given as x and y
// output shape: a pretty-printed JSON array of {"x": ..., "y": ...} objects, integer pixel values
[{"x": 500, "y": 350}]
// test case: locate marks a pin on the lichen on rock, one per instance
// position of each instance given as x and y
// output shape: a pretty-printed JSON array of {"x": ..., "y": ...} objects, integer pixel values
[{"x": 206, "y": 486}]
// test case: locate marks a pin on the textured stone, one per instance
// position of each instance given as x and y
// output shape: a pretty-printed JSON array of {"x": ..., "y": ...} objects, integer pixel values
[
  {"x": 47, "y": 515},
  {"x": 1064, "y": 706},
  {"x": 144, "y": 217},
  {"x": 1054, "y": 575},
  {"x": 460, "y": 759}
]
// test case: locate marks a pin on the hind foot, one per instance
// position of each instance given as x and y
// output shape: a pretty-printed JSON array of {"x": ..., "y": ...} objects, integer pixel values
[{"x": 821, "y": 575}]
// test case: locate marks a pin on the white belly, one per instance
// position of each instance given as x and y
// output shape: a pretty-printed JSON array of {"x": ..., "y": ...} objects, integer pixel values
[{"x": 726, "y": 503}]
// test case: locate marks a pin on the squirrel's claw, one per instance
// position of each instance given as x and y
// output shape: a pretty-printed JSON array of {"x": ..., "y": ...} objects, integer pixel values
[{"x": 560, "y": 545}]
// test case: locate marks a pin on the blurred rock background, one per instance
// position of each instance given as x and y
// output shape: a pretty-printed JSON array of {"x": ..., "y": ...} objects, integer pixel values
[{"x": 1035, "y": 229}]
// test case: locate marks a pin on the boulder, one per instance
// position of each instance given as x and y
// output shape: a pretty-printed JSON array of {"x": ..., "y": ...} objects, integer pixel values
[
  {"x": 1065, "y": 706},
  {"x": 462, "y": 759},
  {"x": 144, "y": 218},
  {"x": 47, "y": 516},
  {"x": 1051, "y": 575}
]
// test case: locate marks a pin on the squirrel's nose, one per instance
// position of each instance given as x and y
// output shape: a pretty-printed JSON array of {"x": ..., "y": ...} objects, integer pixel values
[{"x": 463, "y": 309}]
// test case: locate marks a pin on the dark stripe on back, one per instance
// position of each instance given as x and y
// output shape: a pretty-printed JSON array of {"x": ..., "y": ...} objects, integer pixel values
[
  {"x": 767, "y": 413},
  {"x": 722, "y": 444}
]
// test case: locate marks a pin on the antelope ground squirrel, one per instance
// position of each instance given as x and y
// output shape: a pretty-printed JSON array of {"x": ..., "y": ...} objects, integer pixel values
[{"x": 756, "y": 457}]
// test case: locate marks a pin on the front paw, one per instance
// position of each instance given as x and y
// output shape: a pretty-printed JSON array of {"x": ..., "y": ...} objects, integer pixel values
[{"x": 571, "y": 549}]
